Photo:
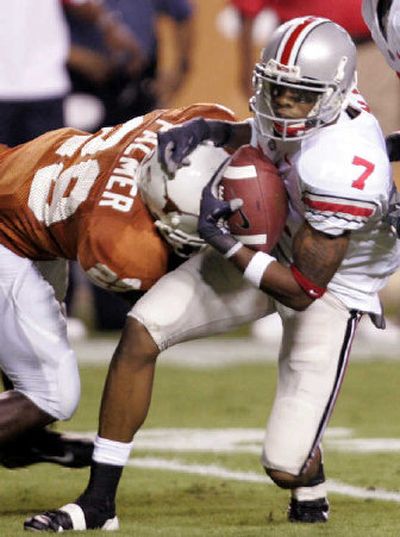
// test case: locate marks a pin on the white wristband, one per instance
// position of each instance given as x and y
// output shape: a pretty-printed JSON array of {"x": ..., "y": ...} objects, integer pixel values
[
  {"x": 232, "y": 251},
  {"x": 256, "y": 268}
]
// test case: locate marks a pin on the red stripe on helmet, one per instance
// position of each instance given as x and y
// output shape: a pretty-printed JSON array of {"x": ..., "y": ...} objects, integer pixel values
[{"x": 293, "y": 38}]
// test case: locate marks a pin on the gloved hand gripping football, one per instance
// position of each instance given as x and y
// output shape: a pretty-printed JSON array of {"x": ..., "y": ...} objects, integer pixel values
[{"x": 214, "y": 212}]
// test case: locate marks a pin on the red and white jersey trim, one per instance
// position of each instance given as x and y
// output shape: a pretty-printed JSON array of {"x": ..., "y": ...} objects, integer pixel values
[{"x": 347, "y": 209}]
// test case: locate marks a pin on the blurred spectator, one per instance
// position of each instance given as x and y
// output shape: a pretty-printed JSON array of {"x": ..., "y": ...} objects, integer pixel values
[
  {"x": 125, "y": 93},
  {"x": 33, "y": 80},
  {"x": 34, "y": 42}
]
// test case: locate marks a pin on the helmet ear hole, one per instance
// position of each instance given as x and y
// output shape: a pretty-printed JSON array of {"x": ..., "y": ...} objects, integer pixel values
[{"x": 175, "y": 202}]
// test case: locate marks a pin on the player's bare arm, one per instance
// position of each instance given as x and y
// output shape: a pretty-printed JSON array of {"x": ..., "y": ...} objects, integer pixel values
[{"x": 317, "y": 256}]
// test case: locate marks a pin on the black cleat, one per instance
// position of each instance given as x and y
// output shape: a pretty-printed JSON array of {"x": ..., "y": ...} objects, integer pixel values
[
  {"x": 45, "y": 445},
  {"x": 310, "y": 511},
  {"x": 71, "y": 517}
]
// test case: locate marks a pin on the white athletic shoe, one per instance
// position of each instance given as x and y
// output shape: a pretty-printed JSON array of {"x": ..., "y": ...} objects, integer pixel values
[{"x": 70, "y": 517}]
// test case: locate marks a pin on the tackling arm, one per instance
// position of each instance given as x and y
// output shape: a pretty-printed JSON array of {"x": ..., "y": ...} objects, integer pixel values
[{"x": 175, "y": 144}]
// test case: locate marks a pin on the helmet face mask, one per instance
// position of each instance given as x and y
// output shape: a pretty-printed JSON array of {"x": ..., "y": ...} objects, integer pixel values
[
  {"x": 183, "y": 244},
  {"x": 174, "y": 202},
  {"x": 312, "y": 60}
]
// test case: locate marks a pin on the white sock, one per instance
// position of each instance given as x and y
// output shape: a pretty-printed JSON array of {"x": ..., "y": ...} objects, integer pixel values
[
  {"x": 309, "y": 493},
  {"x": 111, "y": 452}
]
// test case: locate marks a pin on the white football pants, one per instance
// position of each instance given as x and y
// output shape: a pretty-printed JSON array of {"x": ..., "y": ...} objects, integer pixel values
[
  {"x": 34, "y": 349},
  {"x": 207, "y": 295}
]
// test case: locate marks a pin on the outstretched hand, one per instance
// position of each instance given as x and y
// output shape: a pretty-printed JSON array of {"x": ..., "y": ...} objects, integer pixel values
[
  {"x": 174, "y": 145},
  {"x": 214, "y": 212}
]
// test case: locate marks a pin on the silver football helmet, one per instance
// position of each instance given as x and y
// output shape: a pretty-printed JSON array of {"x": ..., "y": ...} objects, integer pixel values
[
  {"x": 174, "y": 201},
  {"x": 316, "y": 59}
]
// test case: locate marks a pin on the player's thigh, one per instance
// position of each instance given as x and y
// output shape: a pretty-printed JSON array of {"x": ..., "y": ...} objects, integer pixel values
[
  {"x": 313, "y": 358},
  {"x": 34, "y": 352},
  {"x": 204, "y": 296}
]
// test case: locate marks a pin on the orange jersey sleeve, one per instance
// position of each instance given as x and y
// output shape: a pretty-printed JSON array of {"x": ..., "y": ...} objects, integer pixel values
[{"x": 74, "y": 195}]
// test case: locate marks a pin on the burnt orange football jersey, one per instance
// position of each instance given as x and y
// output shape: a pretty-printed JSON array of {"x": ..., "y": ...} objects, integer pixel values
[{"x": 74, "y": 195}]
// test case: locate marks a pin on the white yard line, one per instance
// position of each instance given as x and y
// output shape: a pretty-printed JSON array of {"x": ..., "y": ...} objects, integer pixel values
[
  {"x": 211, "y": 470},
  {"x": 248, "y": 441}
]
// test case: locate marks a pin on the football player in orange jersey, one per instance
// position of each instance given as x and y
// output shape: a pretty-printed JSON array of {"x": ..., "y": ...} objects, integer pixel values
[{"x": 71, "y": 195}]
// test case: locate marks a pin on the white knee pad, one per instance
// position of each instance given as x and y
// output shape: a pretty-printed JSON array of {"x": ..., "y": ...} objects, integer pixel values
[{"x": 290, "y": 434}]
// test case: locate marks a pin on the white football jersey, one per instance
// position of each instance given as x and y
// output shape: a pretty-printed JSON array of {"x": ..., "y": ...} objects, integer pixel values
[
  {"x": 339, "y": 179},
  {"x": 390, "y": 47}
]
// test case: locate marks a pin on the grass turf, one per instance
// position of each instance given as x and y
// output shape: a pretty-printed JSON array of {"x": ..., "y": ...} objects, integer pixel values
[{"x": 174, "y": 504}]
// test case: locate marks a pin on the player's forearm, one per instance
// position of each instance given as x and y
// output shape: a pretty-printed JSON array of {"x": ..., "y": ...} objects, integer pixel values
[
  {"x": 316, "y": 258},
  {"x": 229, "y": 134},
  {"x": 276, "y": 280}
]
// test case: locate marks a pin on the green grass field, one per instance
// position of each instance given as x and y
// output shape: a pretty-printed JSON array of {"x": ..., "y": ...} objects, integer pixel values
[{"x": 172, "y": 500}]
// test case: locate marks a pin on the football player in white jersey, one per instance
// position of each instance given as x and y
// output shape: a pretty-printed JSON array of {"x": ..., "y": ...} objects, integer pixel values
[
  {"x": 383, "y": 19},
  {"x": 335, "y": 255}
]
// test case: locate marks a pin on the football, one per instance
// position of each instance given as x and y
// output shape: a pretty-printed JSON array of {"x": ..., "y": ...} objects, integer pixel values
[{"x": 251, "y": 176}]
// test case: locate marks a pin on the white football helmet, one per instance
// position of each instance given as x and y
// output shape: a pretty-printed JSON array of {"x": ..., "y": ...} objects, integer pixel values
[
  {"x": 174, "y": 201},
  {"x": 314, "y": 57}
]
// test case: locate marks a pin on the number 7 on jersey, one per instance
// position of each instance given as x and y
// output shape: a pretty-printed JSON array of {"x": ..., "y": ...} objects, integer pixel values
[{"x": 368, "y": 166}]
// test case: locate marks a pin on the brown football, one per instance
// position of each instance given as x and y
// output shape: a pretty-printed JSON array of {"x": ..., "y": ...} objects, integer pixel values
[{"x": 251, "y": 176}]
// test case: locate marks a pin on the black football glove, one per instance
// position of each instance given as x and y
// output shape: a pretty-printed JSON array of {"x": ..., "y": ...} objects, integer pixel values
[
  {"x": 175, "y": 144},
  {"x": 214, "y": 212}
]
